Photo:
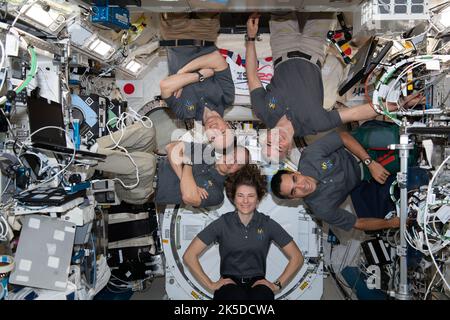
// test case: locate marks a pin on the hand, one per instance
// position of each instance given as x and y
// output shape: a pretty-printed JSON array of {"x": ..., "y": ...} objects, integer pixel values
[
  {"x": 218, "y": 284},
  {"x": 203, "y": 193},
  {"x": 207, "y": 72},
  {"x": 408, "y": 102},
  {"x": 252, "y": 25},
  {"x": 177, "y": 93},
  {"x": 340, "y": 105},
  {"x": 266, "y": 283},
  {"x": 394, "y": 223},
  {"x": 412, "y": 100},
  {"x": 186, "y": 160},
  {"x": 378, "y": 172},
  {"x": 181, "y": 71}
]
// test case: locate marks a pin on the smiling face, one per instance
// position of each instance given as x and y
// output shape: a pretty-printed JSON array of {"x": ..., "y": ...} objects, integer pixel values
[
  {"x": 233, "y": 161},
  {"x": 275, "y": 144},
  {"x": 246, "y": 199},
  {"x": 296, "y": 185},
  {"x": 218, "y": 132}
]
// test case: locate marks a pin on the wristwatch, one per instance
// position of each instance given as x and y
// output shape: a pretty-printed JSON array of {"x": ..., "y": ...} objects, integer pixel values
[
  {"x": 247, "y": 38},
  {"x": 186, "y": 161},
  {"x": 278, "y": 284},
  {"x": 201, "y": 77},
  {"x": 367, "y": 161}
]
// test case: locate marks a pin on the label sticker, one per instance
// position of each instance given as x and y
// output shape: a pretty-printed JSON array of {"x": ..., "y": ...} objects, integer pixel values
[
  {"x": 59, "y": 235},
  {"x": 34, "y": 223},
  {"x": 51, "y": 249},
  {"x": 120, "y": 257},
  {"x": 69, "y": 229},
  {"x": 444, "y": 214},
  {"x": 25, "y": 265},
  {"x": 60, "y": 284},
  {"x": 53, "y": 262},
  {"x": 22, "y": 278},
  {"x": 433, "y": 65}
]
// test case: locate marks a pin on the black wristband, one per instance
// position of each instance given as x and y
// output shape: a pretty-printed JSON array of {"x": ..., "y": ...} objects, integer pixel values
[
  {"x": 201, "y": 77},
  {"x": 368, "y": 161},
  {"x": 247, "y": 38},
  {"x": 278, "y": 284}
]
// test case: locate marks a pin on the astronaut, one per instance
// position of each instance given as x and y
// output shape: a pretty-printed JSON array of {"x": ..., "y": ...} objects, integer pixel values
[{"x": 199, "y": 85}]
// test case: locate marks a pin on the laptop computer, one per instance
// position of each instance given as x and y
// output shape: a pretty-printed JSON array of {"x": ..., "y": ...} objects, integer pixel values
[
  {"x": 48, "y": 197},
  {"x": 366, "y": 61},
  {"x": 42, "y": 113}
]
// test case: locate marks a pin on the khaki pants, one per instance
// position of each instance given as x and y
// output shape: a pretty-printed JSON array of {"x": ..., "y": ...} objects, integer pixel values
[
  {"x": 140, "y": 143},
  {"x": 285, "y": 35},
  {"x": 204, "y": 26}
]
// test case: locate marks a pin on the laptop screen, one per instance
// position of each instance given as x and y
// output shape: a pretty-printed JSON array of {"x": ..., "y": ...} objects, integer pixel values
[
  {"x": 357, "y": 70},
  {"x": 41, "y": 113}
]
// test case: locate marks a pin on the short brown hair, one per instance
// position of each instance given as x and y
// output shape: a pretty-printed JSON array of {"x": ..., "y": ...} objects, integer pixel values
[{"x": 250, "y": 176}]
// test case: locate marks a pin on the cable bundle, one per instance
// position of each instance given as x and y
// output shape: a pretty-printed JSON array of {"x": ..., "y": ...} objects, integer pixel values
[
  {"x": 121, "y": 124},
  {"x": 431, "y": 236},
  {"x": 386, "y": 84}
]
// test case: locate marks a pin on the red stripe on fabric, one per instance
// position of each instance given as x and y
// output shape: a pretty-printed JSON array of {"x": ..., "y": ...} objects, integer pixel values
[
  {"x": 387, "y": 161},
  {"x": 384, "y": 156}
]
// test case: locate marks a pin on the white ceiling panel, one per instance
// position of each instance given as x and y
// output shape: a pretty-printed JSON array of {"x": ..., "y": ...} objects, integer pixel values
[
  {"x": 163, "y": 6},
  {"x": 327, "y": 5},
  {"x": 246, "y": 5}
]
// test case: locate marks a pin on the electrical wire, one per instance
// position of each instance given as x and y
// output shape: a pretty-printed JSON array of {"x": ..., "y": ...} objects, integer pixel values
[
  {"x": 441, "y": 48},
  {"x": 4, "y": 10},
  {"x": 6, "y": 188},
  {"x": 62, "y": 170},
  {"x": 2, "y": 61},
  {"x": 125, "y": 286},
  {"x": 94, "y": 257},
  {"x": 411, "y": 63},
  {"x": 103, "y": 274},
  {"x": 366, "y": 89},
  {"x": 427, "y": 242},
  {"x": 121, "y": 125},
  {"x": 409, "y": 68},
  {"x": 32, "y": 72},
  {"x": 30, "y": 75},
  {"x": 406, "y": 39},
  {"x": 4, "y": 227},
  {"x": 3, "y": 81},
  {"x": 21, "y": 11},
  {"x": 445, "y": 4},
  {"x": 8, "y": 122},
  {"x": 429, "y": 287},
  {"x": 439, "y": 78}
]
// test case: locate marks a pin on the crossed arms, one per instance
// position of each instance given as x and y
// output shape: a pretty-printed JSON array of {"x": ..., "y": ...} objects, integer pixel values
[
  {"x": 191, "y": 194},
  {"x": 207, "y": 65}
]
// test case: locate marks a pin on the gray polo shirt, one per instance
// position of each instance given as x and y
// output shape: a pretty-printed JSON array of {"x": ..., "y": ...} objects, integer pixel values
[
  {"x": 216, "y": 92},
  {"x": 205, "y": 175},
  {"x": 337, "y": 173},
  {"x": 243, "y": 249},
  {"x": 296, "y": 90}
]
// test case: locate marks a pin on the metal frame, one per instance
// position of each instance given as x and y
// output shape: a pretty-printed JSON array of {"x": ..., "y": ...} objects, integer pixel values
[{"x": 403, "y": 292}]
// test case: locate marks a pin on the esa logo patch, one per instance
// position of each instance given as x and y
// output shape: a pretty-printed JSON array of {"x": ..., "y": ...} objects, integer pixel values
[
  {"x": 273, "y": 103},
  {"x": 260, "y": 233},
  {"x": 327, "y": 165},
  {"x": 189, "y": 106},
  {"x": 208, "y": 184}
]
